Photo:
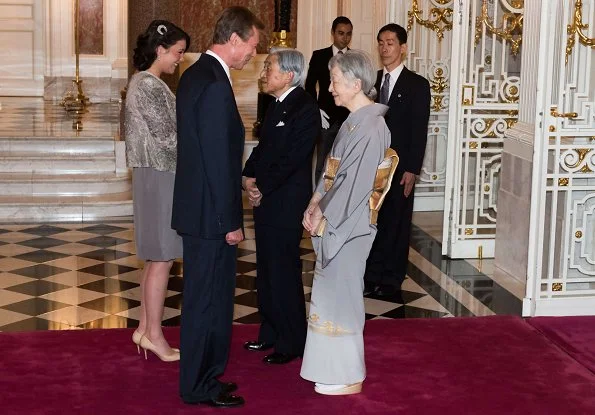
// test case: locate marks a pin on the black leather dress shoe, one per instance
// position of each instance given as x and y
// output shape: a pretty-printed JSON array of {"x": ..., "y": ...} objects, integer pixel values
[
  {"x": 257, "y": 346},
  {"x": 370, "y": 288},
  {"x": 387, "y": 290},
  {"x": 279, "y": 358},
  {"x": 228, "y": 387},
  {"x": 225, "y": 400}
]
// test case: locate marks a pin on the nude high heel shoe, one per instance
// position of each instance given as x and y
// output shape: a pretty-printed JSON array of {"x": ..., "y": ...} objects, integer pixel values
[
  {"x": 147, "y": 345},
  {"x": 136, "y": 336}
]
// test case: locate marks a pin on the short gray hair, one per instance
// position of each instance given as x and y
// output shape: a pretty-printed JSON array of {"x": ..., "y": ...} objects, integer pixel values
[
  {"x": 291, "y": 60},
  {"x": 357, "y": 64}
]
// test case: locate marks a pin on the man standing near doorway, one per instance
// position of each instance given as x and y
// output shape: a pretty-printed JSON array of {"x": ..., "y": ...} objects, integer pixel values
[
  {"x": 331, "y": 115},
  {"x": 207, "y": 206},
  {"x": 407, "y": 95}
]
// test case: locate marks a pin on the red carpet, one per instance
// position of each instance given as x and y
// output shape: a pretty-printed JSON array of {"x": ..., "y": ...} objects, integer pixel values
[
  {"x": 494, "y": 365},
  {"x": 575, "y": 335}
]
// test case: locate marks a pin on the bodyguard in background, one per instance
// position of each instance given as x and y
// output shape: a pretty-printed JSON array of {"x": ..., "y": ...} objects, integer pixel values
[
  {"x": 407, "y": 95},
  {"x": 332, "y": 116},
  {"x": 278, "y": 179},
  {"x": 207, "y": 207}
]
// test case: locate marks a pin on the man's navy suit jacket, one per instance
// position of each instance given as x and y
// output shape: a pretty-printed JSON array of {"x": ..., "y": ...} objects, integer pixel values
[
  {"x": 282, "y": 161},
  {"x": 207, "y": 201}
]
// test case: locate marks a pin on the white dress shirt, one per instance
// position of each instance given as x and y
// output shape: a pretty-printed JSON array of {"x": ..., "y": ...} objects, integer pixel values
[
  {"x": 225, "y": 67},
  {"x": 394, "y": 75}
]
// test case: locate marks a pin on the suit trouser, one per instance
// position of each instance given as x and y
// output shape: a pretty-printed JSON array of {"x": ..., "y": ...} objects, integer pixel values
[
  {"x": 389, "y": 257},
  {"x": 323, "y": 147},
  {"x": 207, "y": 315},
  {"x": 281, "y": 302}
]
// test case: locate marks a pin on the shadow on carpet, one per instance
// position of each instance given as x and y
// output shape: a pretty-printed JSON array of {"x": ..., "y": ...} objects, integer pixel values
[{"x": 489, "y": 365}]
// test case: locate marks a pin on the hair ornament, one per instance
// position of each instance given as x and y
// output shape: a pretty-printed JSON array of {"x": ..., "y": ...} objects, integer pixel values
[{"x": 161, "y": 29}]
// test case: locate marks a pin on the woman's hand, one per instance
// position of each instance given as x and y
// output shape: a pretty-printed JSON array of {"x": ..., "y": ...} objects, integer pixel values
[
  {"x": 315, "y": 219},
  {"x": 307, "y": 221}
]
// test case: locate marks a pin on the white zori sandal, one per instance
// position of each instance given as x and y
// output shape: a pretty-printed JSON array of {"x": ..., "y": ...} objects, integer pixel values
[{"x": 325, "y": 389}]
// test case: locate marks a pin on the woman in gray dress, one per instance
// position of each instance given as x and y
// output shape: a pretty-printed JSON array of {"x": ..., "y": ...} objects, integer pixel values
[
  {"x": 151, "y": 140},
  {"x": 341, "y": 217}
]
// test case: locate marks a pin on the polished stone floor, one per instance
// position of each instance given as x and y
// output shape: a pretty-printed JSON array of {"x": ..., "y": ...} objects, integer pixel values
[
  {"x": 36, "y": 118},
  {"x": 86, "y": 275}
]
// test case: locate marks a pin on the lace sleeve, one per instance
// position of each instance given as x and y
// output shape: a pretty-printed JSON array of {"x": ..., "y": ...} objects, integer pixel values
[{"x": 157, "y": 107}]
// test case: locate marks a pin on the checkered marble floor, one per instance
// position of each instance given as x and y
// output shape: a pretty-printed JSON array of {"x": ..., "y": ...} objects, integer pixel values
[{"x": 86, "y": 275}]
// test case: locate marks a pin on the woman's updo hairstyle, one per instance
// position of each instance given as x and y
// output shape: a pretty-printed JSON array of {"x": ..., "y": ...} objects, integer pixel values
[
  {"x": 357, "y": 64},
  {"x": 159, "y": 33}
]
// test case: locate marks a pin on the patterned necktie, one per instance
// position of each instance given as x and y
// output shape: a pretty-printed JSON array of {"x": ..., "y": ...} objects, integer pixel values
[{"x": 384, "y": 89}]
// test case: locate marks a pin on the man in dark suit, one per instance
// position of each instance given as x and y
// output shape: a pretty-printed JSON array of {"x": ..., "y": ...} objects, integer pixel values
[
  {"x": 207, "y": 205},
  {"x": 408, "y": 98},
  {"x": 278, "y": 178},
  {"x": 331, "y": 115}
]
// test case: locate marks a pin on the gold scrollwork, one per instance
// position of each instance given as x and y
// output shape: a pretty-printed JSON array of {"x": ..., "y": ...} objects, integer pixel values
[
  {"x": 563, "y": 181},
  {"x": 437, "y": 104},
  {"x": 578, "y": 234},
  {"x": 439, "y": 24},
  {"x": 473, "y": 145},
  {"x": 554, "y": 113},
  {"x": 438, "y": 83},
  {"x": 510, "y": 122},
  {"x": 581, "y": 154},
  {"x": 491, "y": 127},
  {"x": 576, "y": 28},
  {"x": 510, "y": 29},
  {"x": 511, "y": 94},
  {"x": 468, "y": 231},
  {"x": 557, "y": 286}
]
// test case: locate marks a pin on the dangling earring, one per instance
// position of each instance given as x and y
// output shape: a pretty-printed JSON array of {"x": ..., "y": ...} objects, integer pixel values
[{"x": 158, "y": 57}]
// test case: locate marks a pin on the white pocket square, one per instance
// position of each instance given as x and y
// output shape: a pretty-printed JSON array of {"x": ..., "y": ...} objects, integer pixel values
[{"x": 281, "y": 124}]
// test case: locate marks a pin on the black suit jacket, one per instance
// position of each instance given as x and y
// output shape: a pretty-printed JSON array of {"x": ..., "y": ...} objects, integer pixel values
[
  {"x": 207, "y": 193},
  {"x": 282, "y": 160},
  {"x": 407, "y": 118},
  {"x": 318, "y": 73}
]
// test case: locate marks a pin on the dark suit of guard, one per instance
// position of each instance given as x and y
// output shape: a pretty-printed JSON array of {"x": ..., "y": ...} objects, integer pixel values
[
  {"x": 207, "y": 205},
  {"x": 282, "y": 167},
  {"x": 318, "y": 73},
  {"x": 407, "y": 119}
]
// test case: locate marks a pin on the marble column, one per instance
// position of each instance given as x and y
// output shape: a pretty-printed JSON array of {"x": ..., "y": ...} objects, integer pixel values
[{"x": 514, "y": 195}]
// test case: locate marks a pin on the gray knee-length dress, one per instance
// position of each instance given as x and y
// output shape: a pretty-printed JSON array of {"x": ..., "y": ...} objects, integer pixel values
[{"x": 151, "y": 145}]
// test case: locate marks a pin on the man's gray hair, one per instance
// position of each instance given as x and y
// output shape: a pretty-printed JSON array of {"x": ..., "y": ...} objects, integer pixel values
[
  {"x": 291, "y": 60},
  {"x": 357, "y": 64}
]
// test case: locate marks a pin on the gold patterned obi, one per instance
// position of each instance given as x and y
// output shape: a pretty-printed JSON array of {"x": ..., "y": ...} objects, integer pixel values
[
  {"x": 384, "y": 176},
  {"x": 330, "y": 172}
]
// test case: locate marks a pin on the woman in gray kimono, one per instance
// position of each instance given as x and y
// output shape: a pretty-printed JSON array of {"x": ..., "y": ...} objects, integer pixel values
[
  {"x": 151, "y": 142},
  {"x": 342, "y": 225}
]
